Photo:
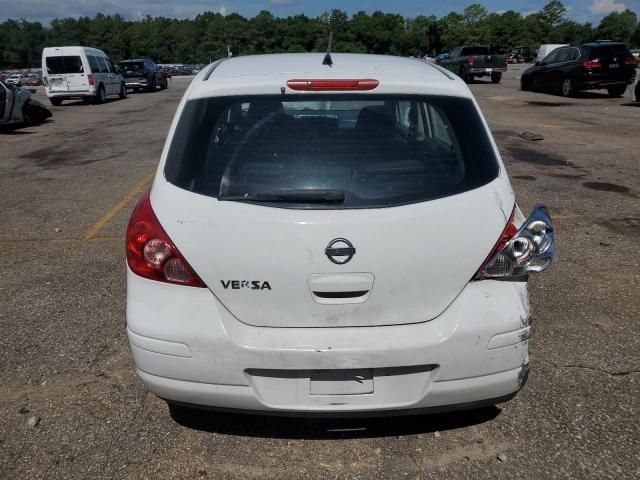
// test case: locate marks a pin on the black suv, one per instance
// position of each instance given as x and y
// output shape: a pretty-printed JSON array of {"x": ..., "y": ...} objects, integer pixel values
[
  {"x": 592, "y": 66},
  {"x": 143, "y": 73}
]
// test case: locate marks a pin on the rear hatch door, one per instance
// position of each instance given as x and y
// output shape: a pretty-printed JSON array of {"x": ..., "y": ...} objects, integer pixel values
[
  {"x": 612, "y": 60},
  {"x": 388, "y": 206},
  {"x": 269, "y": 266},
  {"x": 77, "y": 73},
  {"x": 56, "y": 71}
]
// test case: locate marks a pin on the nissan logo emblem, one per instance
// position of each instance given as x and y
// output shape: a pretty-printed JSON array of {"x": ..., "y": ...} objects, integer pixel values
[{"x": 340, "y": 251}]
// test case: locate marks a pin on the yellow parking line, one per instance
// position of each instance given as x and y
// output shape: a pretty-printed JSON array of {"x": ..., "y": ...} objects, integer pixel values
[
  {"x": 118, "y": 206},
  {"x": 56, "y": 241}
]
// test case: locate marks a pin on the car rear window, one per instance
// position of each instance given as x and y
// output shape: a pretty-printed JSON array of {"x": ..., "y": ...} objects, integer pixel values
[
  {"x": 132, "y": 66},
  {"x": 64, "y": 64},
  {"x": 475, "y": 51},
  {"x": 608, "y": 51},
  {"x": 379, "y": 150}
]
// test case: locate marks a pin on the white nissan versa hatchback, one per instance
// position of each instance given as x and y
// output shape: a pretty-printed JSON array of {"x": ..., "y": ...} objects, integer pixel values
[{"x": 332, "y": 239}]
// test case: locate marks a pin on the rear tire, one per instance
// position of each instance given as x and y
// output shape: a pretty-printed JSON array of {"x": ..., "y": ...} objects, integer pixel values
[
  {"x": 568, "y": 88},
  {"x": 617, "y": 91},
  {"x": 123, "y": 91},
  {"x": 637, "y": 92},
  {"x": 525, "y": 84},
  {"x": 101, "y": 96},
  {"x": 164, "y": 84},
  {"x": 152, "y": 86},
  {"x": 464, "y": 75},
  {"x": 496, "y": 77},
  {"x": 56, "y": 102}
]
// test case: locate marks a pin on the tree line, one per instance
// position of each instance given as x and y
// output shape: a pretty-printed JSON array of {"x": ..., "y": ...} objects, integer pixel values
[{"x": 210, "y": 35}]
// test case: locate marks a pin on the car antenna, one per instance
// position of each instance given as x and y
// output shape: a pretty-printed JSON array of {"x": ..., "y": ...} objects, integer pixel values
[{"x": 327, "y": 58}]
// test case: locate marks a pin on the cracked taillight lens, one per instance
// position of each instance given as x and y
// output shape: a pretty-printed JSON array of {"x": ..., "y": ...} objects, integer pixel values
[{"x": 529, "y": 249}]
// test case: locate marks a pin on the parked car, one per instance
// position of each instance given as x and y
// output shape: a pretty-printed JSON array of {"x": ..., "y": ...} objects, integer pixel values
[
  {"x": 33, "y": 81},
  {"x": 429, "y": 58},
  {"x": 80, "y": 72},
  {"x": 546, "y": 48},
  {"x": 331, "y": 245},
  {"x": 15, "y": 79},
  {"x": 18, "y": 108},
  {"x": 636, "y": 56},
  {"x": 143, "y": 73},
  {"x": 521, "y": 54},
  {"x": 440, "y": 57},
  {"x": 477, "y": 61},
  {"x": 592, "y": 66}
]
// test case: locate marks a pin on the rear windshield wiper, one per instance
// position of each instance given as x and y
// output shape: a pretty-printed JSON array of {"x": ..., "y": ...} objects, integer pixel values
[{"x": 291, "y": 196}]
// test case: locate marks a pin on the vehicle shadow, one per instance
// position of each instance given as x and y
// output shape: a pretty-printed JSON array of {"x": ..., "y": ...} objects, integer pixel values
[
  {"x": 14, "y": 130},
  {"x": 630, "y": 104},
  {"x": 320, "y": 428},
  {"x": 19, "y": 128},
  {"x": 592, "y": 95},
  {"x": 587, "y": 95},
  {"x": 83, "y": 103}
]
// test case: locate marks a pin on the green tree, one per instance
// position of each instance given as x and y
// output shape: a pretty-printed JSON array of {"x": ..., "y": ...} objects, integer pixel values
[
  {"x": 618, "y": 26},
  {"x": 452, "y": 30},
  {"x": 209, "y": 34},
  {"x": 474, "y": 17},
  {"x": 507, "y": 31},
  {"x": 553, "y": 14}
]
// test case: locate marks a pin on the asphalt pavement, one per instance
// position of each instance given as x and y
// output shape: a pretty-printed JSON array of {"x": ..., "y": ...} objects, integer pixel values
[{"x": 72, "y": 407}]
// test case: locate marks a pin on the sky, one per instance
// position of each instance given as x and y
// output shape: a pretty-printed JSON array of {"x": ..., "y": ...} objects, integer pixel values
[{"x": 45, "y": 10}]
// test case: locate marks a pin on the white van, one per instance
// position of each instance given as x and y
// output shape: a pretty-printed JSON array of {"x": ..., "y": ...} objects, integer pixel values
[
  {"x": 80, "y": 72},
  {"x": 546, "y": 48}
]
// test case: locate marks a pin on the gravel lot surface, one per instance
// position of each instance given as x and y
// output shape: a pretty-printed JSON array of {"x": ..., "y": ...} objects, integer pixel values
[{"x": 72, "y": 407}]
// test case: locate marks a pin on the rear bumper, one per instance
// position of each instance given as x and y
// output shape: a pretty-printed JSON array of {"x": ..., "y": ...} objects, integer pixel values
[
  {"x": 91, "y": 92},
  {"x": 442, "y": 397},
  {"x": 136, "y": 83},
  {"x": 189, "y": 349},
  {"x": 597, "y": 81},
  {"x": 483, "y": 70},
  {"x": 591, "y": 85}
]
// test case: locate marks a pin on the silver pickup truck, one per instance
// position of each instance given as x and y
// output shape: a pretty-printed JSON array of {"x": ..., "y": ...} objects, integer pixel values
[{"x": 477, "y": 61}]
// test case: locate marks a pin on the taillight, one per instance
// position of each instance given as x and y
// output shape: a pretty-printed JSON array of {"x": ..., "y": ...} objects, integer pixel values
[
  {"x": 90, "y": 78},
  {"x": 151, "y": 253},
  {"x": 630, "y": 61},
  {"x": 518, "y": 252},
  {"x": 506, "y": 60},
  {"x": 332, "y": 85},
  {"x": 592, "y": 63},
  {"x": 470, "y": 60}
]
